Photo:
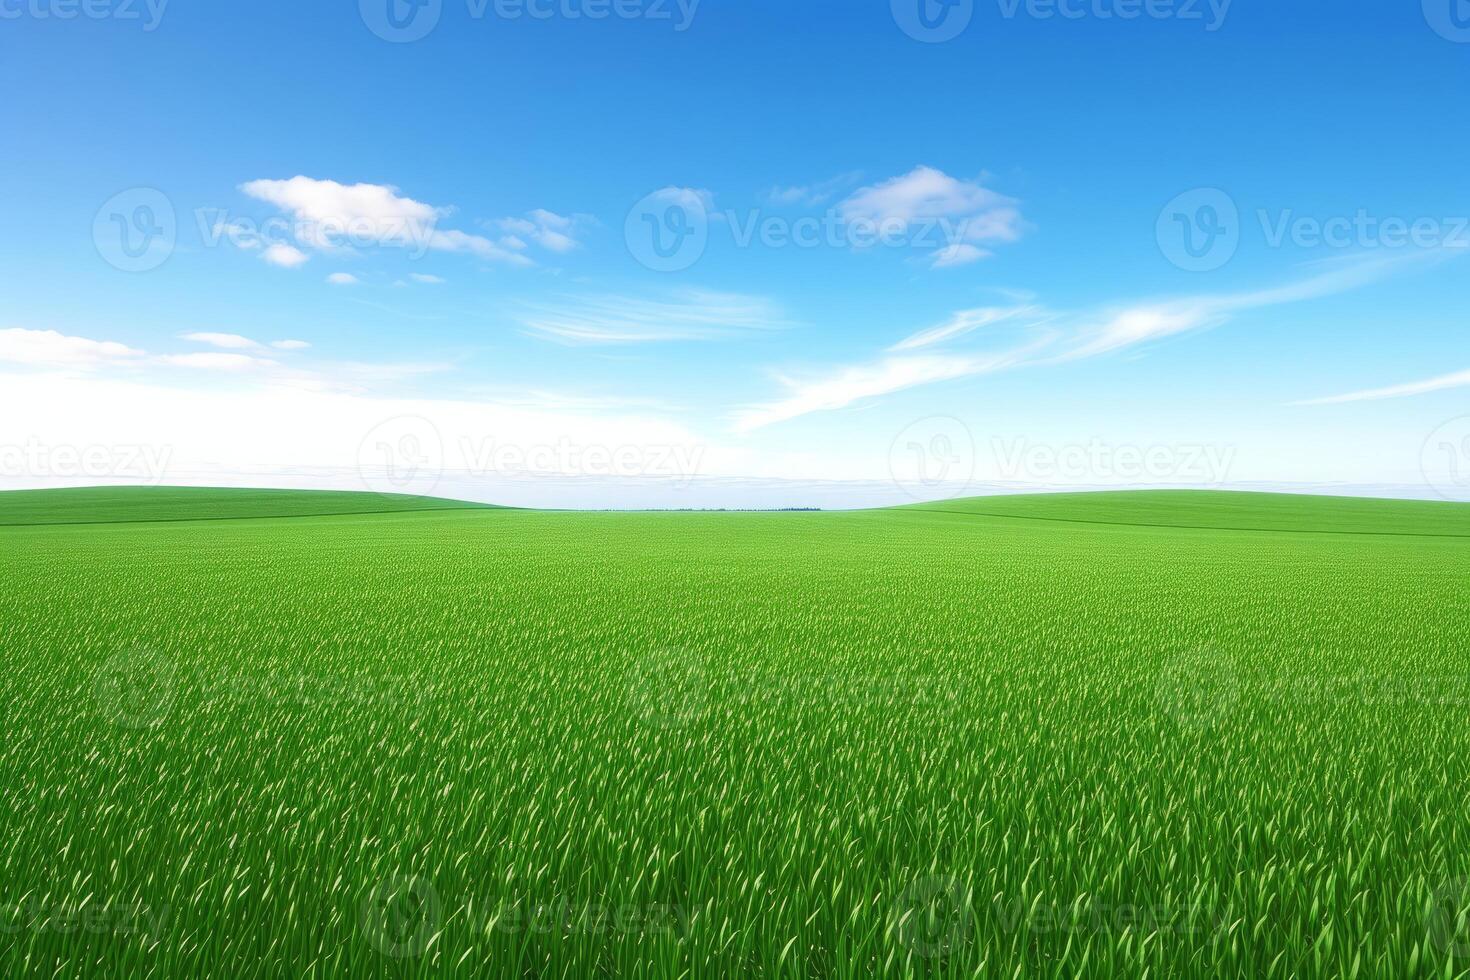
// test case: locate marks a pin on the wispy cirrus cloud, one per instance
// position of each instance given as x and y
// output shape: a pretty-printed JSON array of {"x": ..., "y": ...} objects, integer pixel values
[
  {"x": 1444, "y": 382},
  {"x": 813, "y": 194},
  {"x": 684, "y": 315},
  {"x": 1048, "y": 337},
  {"x": 854, "y": 383},
  {"x": 964, "y": 322}
]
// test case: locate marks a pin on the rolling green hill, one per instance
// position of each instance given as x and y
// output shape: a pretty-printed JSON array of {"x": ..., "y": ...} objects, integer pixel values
[
  {"x": 109, "y": 505},
  {"x": 1093, "y": 736},
  {"x": 1225, "y": 510}
]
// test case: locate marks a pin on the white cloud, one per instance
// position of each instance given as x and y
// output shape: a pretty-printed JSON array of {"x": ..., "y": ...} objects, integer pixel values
[
  {"x": 216, "y": 361},
  {"x": 227, "y": 341},
  {"x": 961, "y": 253},
  {"x": 1459, "y": 379},
  {"x": 51, "y": 349},
  {"x": 930, "y": 205},
  {"x": 812, "y": 194},
  {"x": 343, "y": 279},
  {"x": 331, "y": 215},
  {"x": 549, "y": 230},
  {"x": 962, "y": 323},
  {"x": 688, "y": 315},
  {"x": 424, "y": 277},
  {"x": 285, "y": 256},
  {"x": 328, "y": 212},
  {"x": 290, "y": 344}
]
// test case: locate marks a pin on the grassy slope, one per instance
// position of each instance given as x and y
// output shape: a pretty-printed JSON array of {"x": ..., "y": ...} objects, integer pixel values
[
  {"x": 796, "y": 730},
  {"x": 1258, "y": 511},
  {"x": 105, "y": 505}
]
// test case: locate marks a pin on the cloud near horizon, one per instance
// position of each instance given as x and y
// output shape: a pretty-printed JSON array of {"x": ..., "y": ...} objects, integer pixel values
[{"x": 683, "y": 315}]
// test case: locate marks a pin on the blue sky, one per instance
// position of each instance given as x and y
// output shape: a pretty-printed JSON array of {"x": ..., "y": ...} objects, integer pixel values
[{"x": 448, "y": 231}]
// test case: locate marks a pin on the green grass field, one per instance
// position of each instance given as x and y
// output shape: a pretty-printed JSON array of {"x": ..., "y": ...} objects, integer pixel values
[{"x": 1162, "y": 735}]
